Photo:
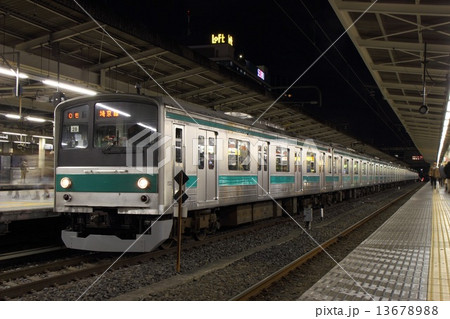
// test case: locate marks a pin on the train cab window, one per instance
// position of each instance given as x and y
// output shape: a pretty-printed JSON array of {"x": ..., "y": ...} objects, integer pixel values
[
  {"x": 118, "y": 123},
  {"x": 238, "y": 155},
  {"x": 310, "y": 162},
  {"x": 356, "y": 168},
  {"x": 74, "y": 131},
  {"x": 282, "y": 159},
  {"x": 346, "y": 170},
  {"x": 201, "y": 152},
  {"x": 211, "y": 152}
]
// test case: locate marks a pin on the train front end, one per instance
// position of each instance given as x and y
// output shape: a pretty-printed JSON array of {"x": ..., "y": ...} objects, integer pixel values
[{"x": 106, "y": 174}]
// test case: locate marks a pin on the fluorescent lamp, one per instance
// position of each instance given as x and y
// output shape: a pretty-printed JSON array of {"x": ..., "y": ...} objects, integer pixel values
[
  {"x": 46, "y": 137},
  {"x": 13, "y": 116},
  {"x": 106, "y": 107},
  {"x": 11, "y": 72},
  {"x": 444, "y": 129},
  {"x": 35, "y": 119},
  {"x": 12, "y": 133},
  {"x": 69, "y": 87}
]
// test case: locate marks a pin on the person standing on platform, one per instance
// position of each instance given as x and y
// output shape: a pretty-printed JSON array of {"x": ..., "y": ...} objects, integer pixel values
[
  {"x": 442, "y": 175},
  {"x": 434, "y": 174},
  {"x": 447, "y": 174},
  {"x": 23, "y": 170}
]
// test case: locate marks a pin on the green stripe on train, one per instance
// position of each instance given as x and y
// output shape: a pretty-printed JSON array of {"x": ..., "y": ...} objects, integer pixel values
[
  {"x": 235, "y": 180},
  {"x": 331, "y": 179},
  {"x": 311, "y": 179},
  {"x": 192, "y": 181},
  {"x": 107, "y": 183},
  {"x": 282, "y": 179}
]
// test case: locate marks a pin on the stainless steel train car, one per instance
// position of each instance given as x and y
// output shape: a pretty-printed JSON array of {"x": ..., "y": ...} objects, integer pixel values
[{"x": 116, "y": 157}]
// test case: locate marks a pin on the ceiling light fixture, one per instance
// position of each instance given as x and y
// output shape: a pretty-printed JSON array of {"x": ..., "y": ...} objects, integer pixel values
[
  {"x": 444, "y": 129},
  {"x": 45, "y": 137},
  {"x": 13, "y": 116},
  {"x": 12, "y": 133},
  {"x": 11, "y": 72},
  {"x": 69, "y": 87},
  {"x": 35, "y": 119}
]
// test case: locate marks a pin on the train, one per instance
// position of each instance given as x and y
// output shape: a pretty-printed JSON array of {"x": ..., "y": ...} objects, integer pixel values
[{"x": 117, "y": 157}]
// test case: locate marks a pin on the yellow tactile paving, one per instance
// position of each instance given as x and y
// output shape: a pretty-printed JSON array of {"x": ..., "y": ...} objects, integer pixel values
[
  {"x": 24, "y": 204},
  {"x": 439, "y": 270}
]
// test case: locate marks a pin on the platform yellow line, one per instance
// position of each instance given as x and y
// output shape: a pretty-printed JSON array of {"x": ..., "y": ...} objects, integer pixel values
[{"x": 439, "y": 270}]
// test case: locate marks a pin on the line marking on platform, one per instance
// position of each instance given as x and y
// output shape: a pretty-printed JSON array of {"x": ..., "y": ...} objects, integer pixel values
[{"x": 439, "y": 274}]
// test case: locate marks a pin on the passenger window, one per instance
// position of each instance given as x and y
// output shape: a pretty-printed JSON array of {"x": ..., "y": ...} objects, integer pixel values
[
  {"x": 329, "y": 164},
  {"x": 265, "y": 158},
  {"x": 259, "y": 158},
  {"x": 282, "y": 159},
  {"x": 356, "y": 167},
  {"x": 238, "y": 155},
  {"x": 310, "y": 162},
  {"x": 211, "y": 152},
  {"x": 346, "y": 168},
  {"x": 201, "y": 152}
]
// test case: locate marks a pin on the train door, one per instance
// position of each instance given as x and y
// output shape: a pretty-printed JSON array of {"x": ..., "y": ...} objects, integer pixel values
[
  {"x": 207, "y": 166},
  {"x": 263, "y": 168},
  {"x": 322, "y": 169},
  {"x": 339, "y": 171},
  {"x": 298, "y": 169}
]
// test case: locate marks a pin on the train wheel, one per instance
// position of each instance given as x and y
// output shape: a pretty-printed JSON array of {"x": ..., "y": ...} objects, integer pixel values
[
  {"x": 200, "y": 235},
  {"x": 169, "y": 243}
]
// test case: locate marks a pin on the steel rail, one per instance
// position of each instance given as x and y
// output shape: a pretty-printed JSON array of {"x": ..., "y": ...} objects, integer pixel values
[
  {"x": 260, "y": 286},
  {"x": 22, "y": 289}
]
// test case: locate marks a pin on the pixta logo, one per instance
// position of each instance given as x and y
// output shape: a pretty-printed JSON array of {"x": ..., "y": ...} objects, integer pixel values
[{"x": 143, "y": 146}]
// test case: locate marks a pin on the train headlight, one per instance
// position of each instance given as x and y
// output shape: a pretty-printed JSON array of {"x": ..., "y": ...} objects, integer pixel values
[
  {"x": 143, "y": 183},
  {"x": 65, "y": 182}
]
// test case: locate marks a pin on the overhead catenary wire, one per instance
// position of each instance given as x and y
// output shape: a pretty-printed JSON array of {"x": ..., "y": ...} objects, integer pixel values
[{"x": 384, "y": 120}]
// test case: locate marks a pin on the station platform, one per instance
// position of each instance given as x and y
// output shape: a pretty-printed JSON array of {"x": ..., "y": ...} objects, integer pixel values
[
  {"x": 24, "y": 204},
  {"x": 406, "y": 259}
]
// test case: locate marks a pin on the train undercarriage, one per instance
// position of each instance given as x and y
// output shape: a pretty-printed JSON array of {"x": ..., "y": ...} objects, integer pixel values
[{"x": 201, "y": 223}]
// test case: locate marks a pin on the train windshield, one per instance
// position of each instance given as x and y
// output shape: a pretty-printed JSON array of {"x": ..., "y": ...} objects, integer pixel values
[
  {"x": 75, "y": 128},
  {"x": 119, "y": 125}
]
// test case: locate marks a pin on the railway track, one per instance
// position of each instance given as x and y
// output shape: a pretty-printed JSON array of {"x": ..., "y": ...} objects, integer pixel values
[
  {"x": 44, "y": 276},
  {"x": 252, "y": 292},
  {"x": 29, "y": 252},
  {"x": 65, "y": 271}
]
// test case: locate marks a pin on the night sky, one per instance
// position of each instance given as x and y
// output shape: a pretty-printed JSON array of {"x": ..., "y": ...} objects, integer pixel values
[{"x": 287, "y": 37}]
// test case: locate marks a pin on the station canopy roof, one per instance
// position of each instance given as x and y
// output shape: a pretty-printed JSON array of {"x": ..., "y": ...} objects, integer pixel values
[
  {"x": 394, "y": 39},
  {"x": 58, "y": 41}
]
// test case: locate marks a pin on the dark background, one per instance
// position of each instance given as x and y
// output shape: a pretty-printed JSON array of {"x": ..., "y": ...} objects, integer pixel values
[{"x": 287, "y": 37}]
